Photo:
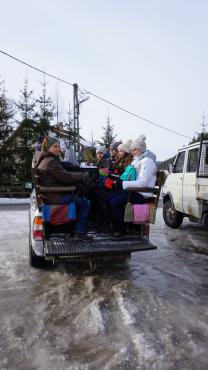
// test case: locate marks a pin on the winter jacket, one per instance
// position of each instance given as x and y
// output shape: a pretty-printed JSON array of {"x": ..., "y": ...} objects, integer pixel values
[
  {"x": 52, "y": 173},
  {"x": 103, "y": 164},
  {"x": 146, "y": 176},
  {"x": 137, "y": 160}
]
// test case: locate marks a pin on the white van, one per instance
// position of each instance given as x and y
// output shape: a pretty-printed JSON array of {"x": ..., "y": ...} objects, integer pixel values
[{"x": 185, "y": 193}]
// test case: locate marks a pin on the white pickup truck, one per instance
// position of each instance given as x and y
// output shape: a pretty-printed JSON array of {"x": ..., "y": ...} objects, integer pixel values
[
  {"x": 185, "y": 193},
  {"x": 49, "y": 242}
]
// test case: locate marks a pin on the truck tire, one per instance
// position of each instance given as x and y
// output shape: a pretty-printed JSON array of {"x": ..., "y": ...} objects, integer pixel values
[
  {"x": 35, "y": 261},
  {"x": 171, "y": 217}
]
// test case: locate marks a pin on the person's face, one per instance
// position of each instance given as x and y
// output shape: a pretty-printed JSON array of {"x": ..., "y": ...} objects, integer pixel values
[
  {"x": 136, "y": 152},
  {"x": 121, "y": 153},
  {"x": 100, "y": 156},
  {"x": 55, "y": 149},
  {"x": 113, "y": 152}
]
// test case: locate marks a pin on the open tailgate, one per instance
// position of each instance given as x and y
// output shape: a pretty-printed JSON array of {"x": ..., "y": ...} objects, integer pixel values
[{"x": 57, "y": 247}]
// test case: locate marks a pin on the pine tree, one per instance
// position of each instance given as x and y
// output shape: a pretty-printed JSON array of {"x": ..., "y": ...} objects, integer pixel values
[
  {"x": 45, "y": 112},
  {"x": 27, "y": 133},
  {"x": 6, "y": 115},
  {"x": 27, "y": 103},
  {"x": 204, "y": 131},
  {"x": 109, "y": 135},
  {"x": 68, "y": 126}
]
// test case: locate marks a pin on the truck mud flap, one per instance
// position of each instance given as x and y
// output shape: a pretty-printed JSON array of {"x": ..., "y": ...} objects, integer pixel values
[{"x": 70, "y": 247}]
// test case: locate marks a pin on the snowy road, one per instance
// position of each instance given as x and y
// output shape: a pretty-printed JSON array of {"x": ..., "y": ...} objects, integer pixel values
[{"x": 151, "y": 314}]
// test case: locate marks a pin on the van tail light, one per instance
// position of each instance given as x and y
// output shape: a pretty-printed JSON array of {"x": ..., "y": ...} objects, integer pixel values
[{"x": 38, "y": 228}]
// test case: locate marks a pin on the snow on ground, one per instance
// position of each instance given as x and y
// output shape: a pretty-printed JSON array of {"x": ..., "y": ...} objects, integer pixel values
[{"x": 14, "y": 201}]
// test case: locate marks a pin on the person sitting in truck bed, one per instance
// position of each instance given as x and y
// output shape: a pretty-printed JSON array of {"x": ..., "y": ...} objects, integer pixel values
[
  {"x": 52, "y": 173},
  {"x": 145, "y": 164},
  {"x": 100, "y": 194},
  {"x": 114, "y": 158},
  {"x": 102, "y": 157}
]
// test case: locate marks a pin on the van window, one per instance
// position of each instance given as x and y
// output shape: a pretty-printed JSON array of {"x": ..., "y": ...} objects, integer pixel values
[
  {"x": 192, "y": 160},
  {"x": 178, "y": 167},
  {"x": 203, "y": 168}
]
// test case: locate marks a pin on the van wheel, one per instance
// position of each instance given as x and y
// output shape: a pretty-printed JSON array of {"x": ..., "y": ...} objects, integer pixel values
[
  {"x": 171, "y": 217},
  {"x": 35, "y": 261}
]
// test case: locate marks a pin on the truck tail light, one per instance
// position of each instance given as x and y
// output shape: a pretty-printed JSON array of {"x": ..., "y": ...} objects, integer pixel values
[{"x": 38, "y": 228}]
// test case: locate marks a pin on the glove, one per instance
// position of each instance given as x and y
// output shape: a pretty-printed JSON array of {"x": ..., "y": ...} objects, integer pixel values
[
  {"x": 114, "y": 176},
  {"x": 109, "y": 183},
  {"x": 82, "y": 189},
  {"x": 118, "y": 184},
  {"x": 85, "y": 178}
]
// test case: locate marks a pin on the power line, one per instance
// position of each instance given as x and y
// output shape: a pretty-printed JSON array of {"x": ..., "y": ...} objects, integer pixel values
[
  {"x": 36, "y": 69},
  {"x": 136, "y": 115},
  {"x": 96, "y": 96}
]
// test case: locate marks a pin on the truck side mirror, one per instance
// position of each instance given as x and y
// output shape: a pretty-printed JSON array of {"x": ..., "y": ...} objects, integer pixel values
[{"x": 170, "y": 167}]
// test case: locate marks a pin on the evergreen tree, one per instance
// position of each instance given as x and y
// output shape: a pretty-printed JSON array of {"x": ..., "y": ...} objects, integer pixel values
[
  {"x": 197, "y": 137},
  {"x": 204, "y": 131},
  {"x": 68, "y": 126},
  {"x": 45, "y": 111},
  {"x": 6, "y": 115},
  {"x": 27, "y": 103},
  {"x": 26, "y": 109},
  {"x": 109, "y": 135},
  {"x": 27, "y": 133}
]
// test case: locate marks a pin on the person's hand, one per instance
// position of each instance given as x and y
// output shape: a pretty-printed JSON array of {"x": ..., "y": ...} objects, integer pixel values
[
  {"x": 82, "y": 188},
  {"x": 118, "y": 183},
  {"x": 114, "y": 176},
  {"x": 85, "y": 178}
]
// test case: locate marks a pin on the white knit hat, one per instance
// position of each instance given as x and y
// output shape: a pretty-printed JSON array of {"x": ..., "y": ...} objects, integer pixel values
[
  {"x": 125, "y": 146},
  {"x": 139, "y": 143}
]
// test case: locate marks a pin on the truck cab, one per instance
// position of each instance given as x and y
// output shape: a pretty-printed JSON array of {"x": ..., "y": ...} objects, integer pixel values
[{"x": 185, "y": 193}]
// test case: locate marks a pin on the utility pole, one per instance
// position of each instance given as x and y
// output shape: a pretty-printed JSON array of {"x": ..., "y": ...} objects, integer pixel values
[{"x": 76, "y": 118}]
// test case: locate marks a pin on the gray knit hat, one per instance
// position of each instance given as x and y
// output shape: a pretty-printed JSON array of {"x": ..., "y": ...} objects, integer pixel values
[
  {"x": 101, "y": 149},
  {"x": 139, "y": 143},
  {"x": 48, "y": 142},
  {"x": 114, "y": 146}
]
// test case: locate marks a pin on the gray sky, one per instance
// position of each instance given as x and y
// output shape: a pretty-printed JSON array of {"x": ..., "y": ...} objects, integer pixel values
[{"x": 149, "y": 57}]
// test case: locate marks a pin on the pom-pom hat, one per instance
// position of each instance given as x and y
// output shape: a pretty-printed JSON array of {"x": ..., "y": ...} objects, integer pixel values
[
  {"x": 125, "y": 146},
  {"x": 139, "y": 143}
]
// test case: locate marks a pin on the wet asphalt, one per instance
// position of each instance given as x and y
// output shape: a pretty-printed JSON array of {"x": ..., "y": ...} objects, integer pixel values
[{"x": 148, "y": 313}]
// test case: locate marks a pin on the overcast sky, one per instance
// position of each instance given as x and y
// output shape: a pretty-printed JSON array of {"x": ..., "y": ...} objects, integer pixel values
[{"x": 150, "y": 57}]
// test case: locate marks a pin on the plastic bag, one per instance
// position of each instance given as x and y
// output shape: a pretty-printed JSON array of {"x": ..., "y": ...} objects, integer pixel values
[{"x": 128, "y": 213}]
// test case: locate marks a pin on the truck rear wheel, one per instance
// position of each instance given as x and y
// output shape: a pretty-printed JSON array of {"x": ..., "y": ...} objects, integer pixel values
[
  {"x": 35, "y": 261},
  {"x": 171, "y": 217}
]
